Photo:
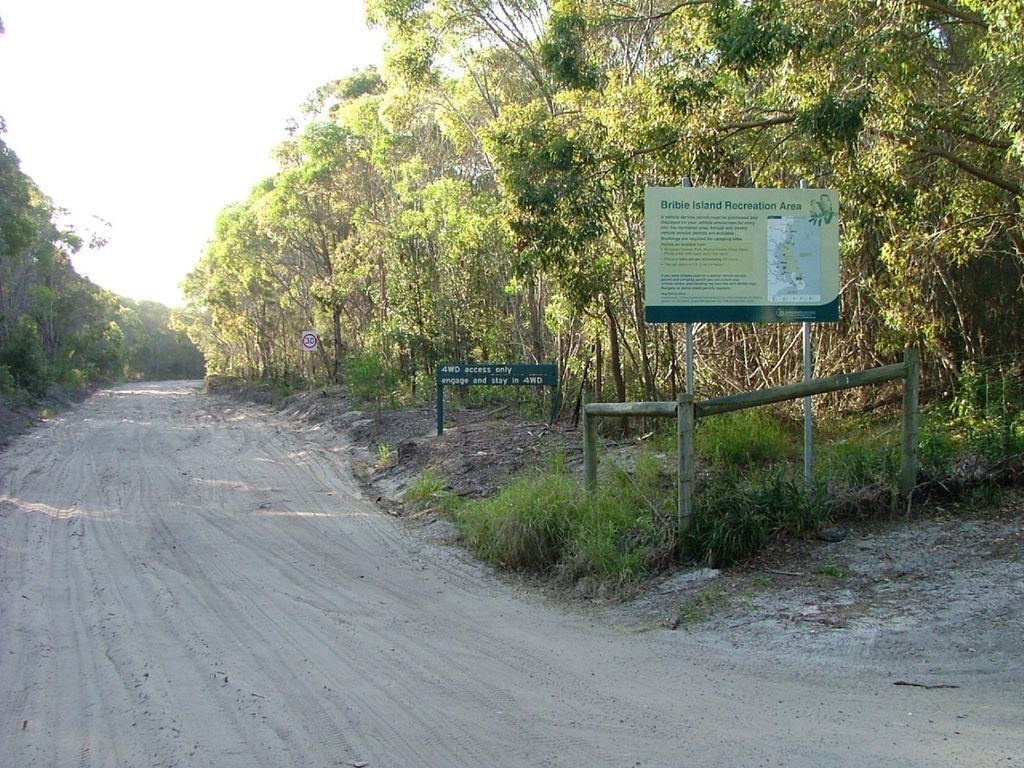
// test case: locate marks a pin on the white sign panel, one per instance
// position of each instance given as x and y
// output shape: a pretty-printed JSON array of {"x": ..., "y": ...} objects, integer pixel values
[{"x": 310, "y": 341}]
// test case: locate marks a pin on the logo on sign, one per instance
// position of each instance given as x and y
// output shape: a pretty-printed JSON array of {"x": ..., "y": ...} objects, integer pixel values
[{"x": 310, "y": 341}]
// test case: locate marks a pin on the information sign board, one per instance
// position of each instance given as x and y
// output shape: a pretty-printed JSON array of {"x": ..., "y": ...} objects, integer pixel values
[
  {"x": 495, "y": 375},
  {"x": 741, "y": 255}
]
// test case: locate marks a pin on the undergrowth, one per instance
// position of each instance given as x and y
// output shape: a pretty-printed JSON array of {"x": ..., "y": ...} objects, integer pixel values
[{"x": 751, "y": 492}]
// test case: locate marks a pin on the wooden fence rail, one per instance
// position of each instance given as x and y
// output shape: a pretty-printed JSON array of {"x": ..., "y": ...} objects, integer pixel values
[{"x": 688, "y": 412}]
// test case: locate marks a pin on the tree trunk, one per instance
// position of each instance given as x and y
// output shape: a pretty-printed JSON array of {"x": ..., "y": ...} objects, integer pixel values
[
  {"x": 535, "y": 298},
  {"x": 615, "y": 354},
  {"x": 336, "y": 368}
]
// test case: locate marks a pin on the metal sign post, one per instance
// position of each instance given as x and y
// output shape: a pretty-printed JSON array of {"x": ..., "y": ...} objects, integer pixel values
[
  {"x": 310, "y": 341},
  {"x": 808, "y": 407},
  {"x": 689, "y": 330}
]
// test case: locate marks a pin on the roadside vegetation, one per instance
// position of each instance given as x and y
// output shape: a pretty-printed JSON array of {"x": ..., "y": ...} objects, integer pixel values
[
  {"x": 59, "y": 333},
  {"x": 751, "y": 492}
]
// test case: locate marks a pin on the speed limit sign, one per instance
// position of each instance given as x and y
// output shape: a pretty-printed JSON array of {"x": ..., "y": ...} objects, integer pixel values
[{"x": 310, "y": 341}]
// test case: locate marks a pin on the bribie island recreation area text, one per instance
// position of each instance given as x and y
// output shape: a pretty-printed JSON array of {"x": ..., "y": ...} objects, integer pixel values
[{"x": 730, "y": 205}]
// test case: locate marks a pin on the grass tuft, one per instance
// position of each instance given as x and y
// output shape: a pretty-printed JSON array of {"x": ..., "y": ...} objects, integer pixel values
[
  {"x": 735, "y": 517},
  {"x": 832, "y": 571},
  {"x": 527, "y": 525},
  {"x": 752, "y": 436},
  {"x": 428, "y": 492}
]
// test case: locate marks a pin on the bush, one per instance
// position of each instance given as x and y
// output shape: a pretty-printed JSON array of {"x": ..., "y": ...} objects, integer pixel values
[
  {"x": 428, "y": 493},
  {"x": 23, "y": 358},
  {"x": 370, "y": 379},
  {"x": 750, "y": 436},
  {"x": 527, "y": 526},
  {"x": 547, "y": 523},
  {"x": 861, "y": 456},
  {"x": 735, "y": 518}
]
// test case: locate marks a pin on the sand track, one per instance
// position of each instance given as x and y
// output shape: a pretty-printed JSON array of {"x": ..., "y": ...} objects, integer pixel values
[{"x": 188, "y": 582}]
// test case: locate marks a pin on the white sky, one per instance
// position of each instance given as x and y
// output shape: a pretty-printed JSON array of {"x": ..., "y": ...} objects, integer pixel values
[{"x": 154, "y": 116}]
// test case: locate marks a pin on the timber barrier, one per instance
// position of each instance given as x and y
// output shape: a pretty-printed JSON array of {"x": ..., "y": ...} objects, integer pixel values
[{"x": 688, "y": 412}]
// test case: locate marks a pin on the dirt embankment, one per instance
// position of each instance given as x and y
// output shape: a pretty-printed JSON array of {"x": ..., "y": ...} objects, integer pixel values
[{"x": 17, "y": 418}]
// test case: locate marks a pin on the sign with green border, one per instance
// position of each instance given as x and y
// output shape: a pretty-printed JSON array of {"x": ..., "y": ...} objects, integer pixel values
[
  {"x": 741, "y": 255},
  {"x": 495, "y": 375}
]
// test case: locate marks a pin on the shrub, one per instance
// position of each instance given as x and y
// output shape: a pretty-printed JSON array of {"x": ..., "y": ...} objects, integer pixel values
[
  {"x": 427, "y": 492},
  {"x": 370, "y": 379},
  {"x": 750, "y": 436},
  {"x": 527, "y": 526},
  {"x": 861, "y": 457},
  {"x": 735, "y": 518}
]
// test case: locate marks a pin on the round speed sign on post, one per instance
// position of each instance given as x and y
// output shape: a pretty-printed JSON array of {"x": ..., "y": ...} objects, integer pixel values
[{"x": 310, "y": 341}]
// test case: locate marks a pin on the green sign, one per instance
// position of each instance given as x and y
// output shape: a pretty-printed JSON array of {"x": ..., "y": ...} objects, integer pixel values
[
  {"x": 495, "y": 375},
  {"x": 741, "y": 255}
]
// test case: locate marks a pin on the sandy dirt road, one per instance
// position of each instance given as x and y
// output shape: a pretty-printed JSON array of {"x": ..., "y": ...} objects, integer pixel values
[{"x": 187, "y": 582}]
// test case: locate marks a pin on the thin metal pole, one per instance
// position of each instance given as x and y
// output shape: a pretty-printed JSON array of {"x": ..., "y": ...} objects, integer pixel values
[
  {"x": 689, "y": 330},
  {"x": 685, "y": 417},
  {"x": 689, "y": 358},
  {"x": 808, "y": 407},
  {"x": 808, "y": 413}
]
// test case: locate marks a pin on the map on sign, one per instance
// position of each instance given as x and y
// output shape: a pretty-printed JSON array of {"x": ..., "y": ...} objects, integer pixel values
[{"x": 794, "y": 260}]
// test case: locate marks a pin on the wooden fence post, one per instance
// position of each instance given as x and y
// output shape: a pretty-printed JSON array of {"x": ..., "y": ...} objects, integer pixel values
[
  {"x": 686, "y": 416},
  {"x": 589, "y": 446},
  {"x": 911, "y": 388}
]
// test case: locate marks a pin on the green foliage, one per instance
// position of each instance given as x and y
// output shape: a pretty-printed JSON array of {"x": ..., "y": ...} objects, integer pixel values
[
  {"x": 528, "y": 525},
  {"x": 55, "y": 326},
  {"x": 369, "y": 378},
  {"x": 754, "y": 35},
  {"x": 22, "y": 356},
  {"x": 735, "y": 517},
  {"x": 988, "y": 410},
  {"x": 482, "y": 196},
  {"x": 834, "y": 123},
  {"x": 626, "y": 530},
  {"x": 154, "y": 348},
  {"x": 857, "y": 453},
  {"x": 750, "y": 436},
  {"x": 832, "y": 571},
  {"x": 554, "y": 205},
  {"x": 983, "y": 424},
  {"x": 426, "y": 485},
  {"x": 366, "y": 82},
  {"x": 547, "y": 524},
  {"x": 563, "y": 51}
]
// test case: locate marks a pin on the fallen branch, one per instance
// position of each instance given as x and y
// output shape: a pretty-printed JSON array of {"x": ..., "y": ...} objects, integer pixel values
[{"x": 925, "y": 685}]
